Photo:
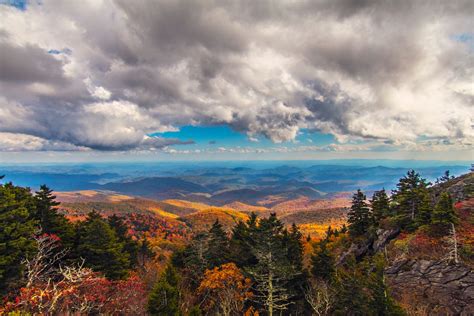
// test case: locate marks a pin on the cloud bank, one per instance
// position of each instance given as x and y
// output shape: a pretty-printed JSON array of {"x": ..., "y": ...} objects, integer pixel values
[{"x": 102, "y": 75}]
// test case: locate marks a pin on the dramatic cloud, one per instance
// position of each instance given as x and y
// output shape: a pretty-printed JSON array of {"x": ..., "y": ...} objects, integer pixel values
[{"x": 105, "y": 74}]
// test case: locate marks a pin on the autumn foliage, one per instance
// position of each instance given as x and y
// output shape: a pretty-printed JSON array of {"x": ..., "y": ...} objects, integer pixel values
[{"x": 225, "y": 289}]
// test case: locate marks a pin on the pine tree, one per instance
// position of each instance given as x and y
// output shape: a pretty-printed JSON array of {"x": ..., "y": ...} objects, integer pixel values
[
  {"x": 425, "y": 210},
  {"x": 380, "y": 205},
  {"x": 241, "y": 241},
  {"x": 16, "y": 232},
  {"x": 322, "y": 262},
  {"x": 99, "y": 245},
  {"x": 351, "y": 296},
  {"x": 273, "y": 271},
  {"x": 343, "y": 229},
  {"x": 194, "y": 259},
  {"x": 381, "y": 303},
  {"x": 144, "y": 252},
  {"x": 218, "y": 246},
  {"x": 121, "y": 230},
  {"x": 164, "y": 297},
  {"x": 293, "y": 243},
  {"x": 49, "y": 219},
  {"x": 443, "y": 214},
  {"x": 359, "y": 215},
  {"x": 410, "y": 198}
]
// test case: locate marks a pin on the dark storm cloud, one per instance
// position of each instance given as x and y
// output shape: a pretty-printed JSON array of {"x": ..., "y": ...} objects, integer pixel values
[
  {"x": 28, "y": 63},
  {"x": 357, "y": 69}
]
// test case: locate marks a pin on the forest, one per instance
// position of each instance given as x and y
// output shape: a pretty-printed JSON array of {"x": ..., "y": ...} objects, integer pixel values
[{"x": 109, "y": 265}]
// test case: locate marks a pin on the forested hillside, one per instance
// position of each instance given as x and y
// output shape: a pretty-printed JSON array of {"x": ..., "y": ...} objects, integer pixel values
[{"x": 406, "y": 252}]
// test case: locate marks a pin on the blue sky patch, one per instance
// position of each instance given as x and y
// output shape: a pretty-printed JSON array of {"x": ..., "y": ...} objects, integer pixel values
[
  {"x": 19, "y": 4},
  {"x": 225, "y": 136}
]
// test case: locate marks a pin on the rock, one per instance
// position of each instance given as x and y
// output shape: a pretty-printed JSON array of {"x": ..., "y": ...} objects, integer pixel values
[
  {"x": 359, "y": 250},
  {"x": 444, "y": 289},
  {"x": 383, "y": 237}
]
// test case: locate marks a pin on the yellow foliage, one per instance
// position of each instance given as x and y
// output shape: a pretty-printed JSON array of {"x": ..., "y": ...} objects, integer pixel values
[{"x": 226, "y": 288}]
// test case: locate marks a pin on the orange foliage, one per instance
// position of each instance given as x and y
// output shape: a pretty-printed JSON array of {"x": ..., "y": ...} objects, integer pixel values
[{"x": 226, "y": 288}]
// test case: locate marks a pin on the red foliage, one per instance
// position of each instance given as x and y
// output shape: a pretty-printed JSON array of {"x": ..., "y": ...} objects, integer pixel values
[{"x": 92, "y": 294}]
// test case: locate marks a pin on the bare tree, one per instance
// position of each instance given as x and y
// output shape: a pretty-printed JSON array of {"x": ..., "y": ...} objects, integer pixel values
[
  {"x": 270, "y": 279},
  {"x": 45, "y": 263},
  {"x": 319, "y": 298},
  {"x": 453, "y": 243}
]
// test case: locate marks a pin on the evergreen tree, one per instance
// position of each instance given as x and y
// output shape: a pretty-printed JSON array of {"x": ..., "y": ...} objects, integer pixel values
[
  {"x": 17, "y": 228},
  {"x": 49, "y": 219},
  {"x": 381, "y": 303},
  {"x": 293, "y": 243},
  {"x": 121, "y": 230},
  {"x": 343, "y": 229},
  {"x": 144, "y": 252},
  {"x": 273, "y": 271},
  {"x": 322, "y": 262},
  {"x": 359, "y": 215},
  {"x": 164, "y": 297},
  {"x": 351, "y": 296},
  {"x": 241, "y": 242},
  {"x": 380, "y": 205},
  {"x": 443, "y": 214},
  {"x": 410, "y": 198},
  {"x": 194, "y": 259},
  {"x": 99, "y": 245},
  {"x": 329, "y": 232},
  {"x": 218, "y": 246},
  {"x": 424, "y": 210}
]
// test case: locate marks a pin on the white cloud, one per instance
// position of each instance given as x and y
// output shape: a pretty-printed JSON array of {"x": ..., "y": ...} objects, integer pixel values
[{"x": 387, "y": 71}]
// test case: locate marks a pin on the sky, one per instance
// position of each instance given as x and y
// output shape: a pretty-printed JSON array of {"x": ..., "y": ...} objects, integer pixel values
[{"x": 117, "y": 80}]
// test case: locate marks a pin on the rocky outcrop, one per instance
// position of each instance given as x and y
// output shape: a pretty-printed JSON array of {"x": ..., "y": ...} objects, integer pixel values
[
  {"x": 443, "y": 288},
  {"x": 369, "y": 246},
  {"x": 460, "y": 188}
]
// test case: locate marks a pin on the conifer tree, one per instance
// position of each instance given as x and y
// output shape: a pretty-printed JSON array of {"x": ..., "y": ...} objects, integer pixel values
[
  {"x": 273, "y": 271},
  {"x": 443, "y": 214},
  {"x": 425, "y": 210},
  {"x": 380, "y": 205},
  {"x": 144, "y": 252},
  {"x": 164, "y": 297},
  {"x": 381, "y": 302},
  {"x": 322, "y": 262},
  {"x": 121, "y": 230},
  {"x": 99, "y": 245},
  {"x": 49, "y": 219},
  {"x": 410, "y": 198},
  {"x": 218, "y": 246},
  {"x": 241, "y": 242},
  {"x": 16, "y": 232},
  {"x": 359, "y": 215},
  {"x": 343, "y": 229}
]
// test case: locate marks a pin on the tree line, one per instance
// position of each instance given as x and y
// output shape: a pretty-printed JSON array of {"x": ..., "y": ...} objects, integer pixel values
[{"x": 259, "y": 267}]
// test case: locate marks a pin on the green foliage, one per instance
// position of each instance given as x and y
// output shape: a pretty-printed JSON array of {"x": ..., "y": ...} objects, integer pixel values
[
  {"x": 49, "y": 219},
  {"x": 360, "y": 289},
  {"x": 165, "y": 295},
  {"x": 359, "y": 215},
  {"x": 102, "y": 250},
  {"x": 381, "y": 303},
  {"x": 277, "y": 272},
  {"x": 412, "y": 204},
  {"x": 129, "y": 245},
  {"x": 380, "y": 205},
  {"x": 195, "y": 311},
  {"x": 16, "y": 232},
  {"x": 322, "y": 262},
  {"x": 241, "y": 242},
  {"x": 217, "y": 246},
  {"x": 443, "y": 214}
]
